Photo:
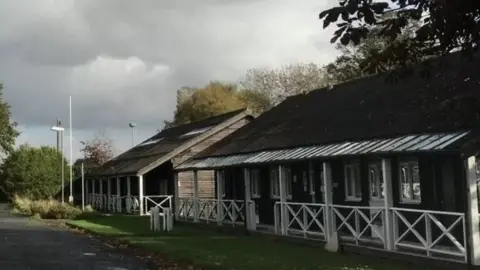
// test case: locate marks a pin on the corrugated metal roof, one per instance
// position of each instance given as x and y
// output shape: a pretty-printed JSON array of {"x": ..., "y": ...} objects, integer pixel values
[{"x": 407, "y": 143}]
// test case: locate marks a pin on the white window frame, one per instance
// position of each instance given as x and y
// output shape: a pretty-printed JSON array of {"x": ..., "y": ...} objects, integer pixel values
[
  {"x": 356, "y": 184},
  {"x": 255, "y": 183},
  {"x": 275, "y": 182},
  {"x": 410, "y": 163},
  {"x": 375, "y": 171}
]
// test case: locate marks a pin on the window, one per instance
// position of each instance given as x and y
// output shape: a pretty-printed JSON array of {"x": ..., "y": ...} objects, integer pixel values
[
  {"x": 275, "y": 183},
  {"x": 255, "y": 183},
  {"x": 375, "y": 176},
  {"x": 410, "y": 181},
  {"x": 353, "y": 191}
]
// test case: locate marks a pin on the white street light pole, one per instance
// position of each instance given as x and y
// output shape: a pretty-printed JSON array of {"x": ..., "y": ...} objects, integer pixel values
[
  {"x": 60, "y": 130},
  {"x": 132, "y": 126},
  {"x": 70, "y": 198}
]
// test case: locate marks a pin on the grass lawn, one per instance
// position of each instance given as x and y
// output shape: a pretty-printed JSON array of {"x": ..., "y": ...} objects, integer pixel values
[{"x": 211, "y": 249}]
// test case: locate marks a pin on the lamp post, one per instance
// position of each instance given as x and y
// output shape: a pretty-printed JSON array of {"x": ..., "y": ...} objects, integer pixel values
[
  {"x": 60, "y": 130},
  {"x": 132, "y": 126},
  {"x": 70, "y": 198}
]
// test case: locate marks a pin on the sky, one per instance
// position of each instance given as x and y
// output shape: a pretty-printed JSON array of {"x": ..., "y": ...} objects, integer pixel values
[{"x": 122, "y": 61}]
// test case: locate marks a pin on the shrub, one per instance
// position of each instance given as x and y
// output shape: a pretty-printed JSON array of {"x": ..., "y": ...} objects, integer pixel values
[{"x": 46, "y": 209}]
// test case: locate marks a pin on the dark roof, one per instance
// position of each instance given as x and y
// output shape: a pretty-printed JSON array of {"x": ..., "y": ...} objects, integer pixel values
[
  {"x": 159, "y": 145},
  {"x": 373, "y": 107}
]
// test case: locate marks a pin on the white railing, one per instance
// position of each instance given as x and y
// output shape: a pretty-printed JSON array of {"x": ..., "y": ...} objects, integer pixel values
[
  {"x": 161, "y": 201},
  {"x": 434, "y": 232},
  {"x": 359, "y": 223},
  {"x": 209, "y": 210},
  {"x": 185, "y": 208},
  {"x": 132, "y": 204},
  {"x": 306, "y": 219}
]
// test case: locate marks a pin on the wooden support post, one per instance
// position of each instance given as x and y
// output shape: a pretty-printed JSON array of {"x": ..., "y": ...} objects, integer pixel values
[
  {"x": 93, "y": 197},
  {"x": 311, "y": 180},
  {"x": 129, "y": 186},
  {"x": 250, "y": 217},
  {"x": 328, "y": 200},
  {"x": 388, "y": 203},
  {"x": 196, "y": 205},
  {"x": 128, "y": 197},
  {"x": 119, "y": 196},
  {"x": 220, "y": 188},
  {"x": 140, "y": 194},
  {"x": 109, "y": 194},
  {"x": 176, "y": 195},
  {"x": 473, "y": 219},
  {"x": 101, "y": 194},
  {"x": 283, "y": 199}
]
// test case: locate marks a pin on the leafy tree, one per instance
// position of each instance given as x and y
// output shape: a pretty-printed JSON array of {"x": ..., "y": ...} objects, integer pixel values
[
  {"x": 215, "y": 98},
  {"x": 277, "y": 84},
  {"x": 32, "y": 172},
  {"x": 97, "y": 151},
  {"x": 8, "y": 133},
  {"x": 360, "y": 60},
  {"x": 444, "y": 26}
]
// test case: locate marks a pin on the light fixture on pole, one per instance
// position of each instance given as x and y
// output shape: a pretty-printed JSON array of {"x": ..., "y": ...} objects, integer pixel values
[
  {"x": 60, "y": 130},
  {"x": 132, "y": 126}
]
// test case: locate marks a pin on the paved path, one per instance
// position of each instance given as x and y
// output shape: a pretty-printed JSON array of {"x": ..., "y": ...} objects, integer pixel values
[{"x": 30, "y": 245}]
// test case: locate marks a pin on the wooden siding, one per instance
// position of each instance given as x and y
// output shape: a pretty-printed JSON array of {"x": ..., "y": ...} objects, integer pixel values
[{"x": 206, "y": 179}]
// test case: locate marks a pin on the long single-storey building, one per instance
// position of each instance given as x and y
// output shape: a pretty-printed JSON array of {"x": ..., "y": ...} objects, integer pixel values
[
  {"x": 142, "y": 177},
  {"x": 381, "y": 162}
]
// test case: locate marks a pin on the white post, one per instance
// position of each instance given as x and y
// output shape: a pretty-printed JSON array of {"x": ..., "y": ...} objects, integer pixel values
[
  {"x": 109, "y": 194},
  {"x": 93, "y": 197},
  {"x": 220, "y": 189},
  {"x": 196, "y": 207},
  {"x": 311, "y": 179},
  {"x": 129, "y": 186},
  {"x": 283, "y": 199},
  {"x": 249, "y": 205},
  {"x": 388, "y": 203},
  {"x": 83, "y": 189},
  {"x": 70, "y": 198},
  {"x": 128, "y": 198},
  {"x": 140, "y": 193},
  {"x": 328, "y": 200},
  {"x": 176, "y": 195},
  {"x": 119, "y": 196},
  {"x": 473, "y": 234},
  {"x": 101, "y": 193}
]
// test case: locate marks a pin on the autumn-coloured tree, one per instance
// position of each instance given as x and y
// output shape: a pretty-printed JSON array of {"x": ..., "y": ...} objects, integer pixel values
[
  {"x": 277, "y": 84},
  {"x": 194, "y": 104},
  {"x": 98, "y": 150}
]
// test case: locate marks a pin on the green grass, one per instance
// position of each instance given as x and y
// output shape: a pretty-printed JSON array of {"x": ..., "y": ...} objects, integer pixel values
[{"x": 211, "y": 249}]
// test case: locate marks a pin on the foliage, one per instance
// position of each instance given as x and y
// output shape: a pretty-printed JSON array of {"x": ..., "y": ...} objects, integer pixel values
[
  {"x": 7, "y": 128},
  {"x": 46, "y": 209},
  {"x": 96, "y": 151},
  {"x": 277, "y": 84},
  {"x": 32, "y": 172},
  {"x": 360, "y": 60},
  {"x": 443, "y": 26},
  {"x": 194, "y": 104}
]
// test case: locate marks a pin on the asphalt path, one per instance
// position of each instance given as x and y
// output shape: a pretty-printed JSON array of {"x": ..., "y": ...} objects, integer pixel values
[{"x": 29, "y": 244}]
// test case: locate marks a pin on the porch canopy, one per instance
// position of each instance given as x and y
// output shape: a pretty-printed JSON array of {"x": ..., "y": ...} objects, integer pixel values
[{"x": 434, "y": 108}]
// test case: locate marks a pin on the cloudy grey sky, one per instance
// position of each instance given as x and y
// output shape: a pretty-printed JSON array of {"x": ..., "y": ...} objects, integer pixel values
[{"x": 123, "y": 60}]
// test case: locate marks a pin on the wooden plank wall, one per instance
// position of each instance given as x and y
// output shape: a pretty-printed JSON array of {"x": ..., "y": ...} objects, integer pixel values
[{"x": 206, "y": 178}]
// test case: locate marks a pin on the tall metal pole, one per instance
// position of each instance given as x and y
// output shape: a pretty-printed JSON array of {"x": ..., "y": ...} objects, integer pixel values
[
  {"x": 70, "y": 198},
  {"x": 63, "y": 167},
  {"x": 83, "y": 189},
  {"x": 58, "y": 135},
  {"x": 132, "y": 136}
]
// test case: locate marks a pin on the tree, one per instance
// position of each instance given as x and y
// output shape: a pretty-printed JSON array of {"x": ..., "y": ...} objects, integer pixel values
[
  {"x": 97, "y": 151},
  {"x": 194, "y": 104},
  {"x": 360, "y": 60},
  {"x": 444, "y": 26},
  {"x": 8, "y": 132},
  {"x": 277, "y": 84},
  {"x": 32, "y": 172}
]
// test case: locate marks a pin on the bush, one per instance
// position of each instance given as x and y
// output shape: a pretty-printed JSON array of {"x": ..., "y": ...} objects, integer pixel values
[{"x": 46, "y": 209}]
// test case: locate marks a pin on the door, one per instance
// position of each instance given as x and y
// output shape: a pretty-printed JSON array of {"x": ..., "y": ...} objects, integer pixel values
[{"x": 377, "y": 198}]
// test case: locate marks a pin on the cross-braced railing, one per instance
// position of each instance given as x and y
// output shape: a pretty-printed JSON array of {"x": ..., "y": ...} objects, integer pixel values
[
  {"x": 132, "y": 203},
  {"x": 306, "y": 219},
  {"x": 362, "y": 224},
  {"x": 434, "y": 232},
  {"x": 161, "y": 201},
  {"x": 233, "y": 211},
  {"x": 207, "y": 210},
  {"x": 185, "y": 208}
]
